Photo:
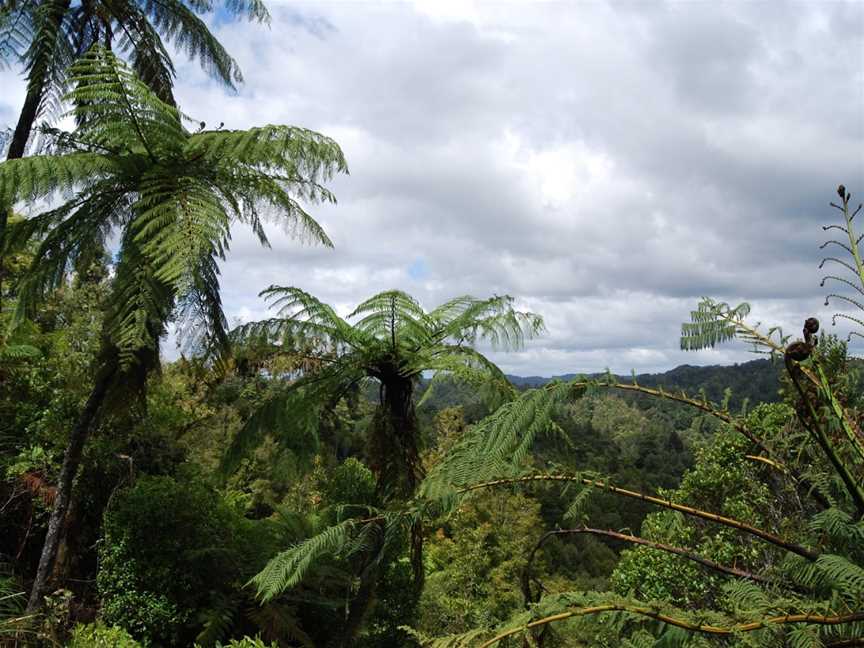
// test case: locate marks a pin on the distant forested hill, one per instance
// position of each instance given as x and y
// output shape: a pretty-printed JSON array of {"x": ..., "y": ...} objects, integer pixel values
[{"x": 757, "y": 380}]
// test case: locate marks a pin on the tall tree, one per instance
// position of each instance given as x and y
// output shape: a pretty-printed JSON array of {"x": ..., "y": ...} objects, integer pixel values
[
  {"x": 131, "y": 170},
  {"x": 47, "y": 36},
  {"x": 392, "y": 343}
]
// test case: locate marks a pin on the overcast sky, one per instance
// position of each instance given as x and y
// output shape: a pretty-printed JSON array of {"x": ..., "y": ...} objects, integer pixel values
[{"x": 605, "y": 163}]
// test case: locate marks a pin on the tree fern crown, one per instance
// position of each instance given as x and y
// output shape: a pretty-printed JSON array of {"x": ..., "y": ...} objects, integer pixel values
[{"x": 132, "y": 169}]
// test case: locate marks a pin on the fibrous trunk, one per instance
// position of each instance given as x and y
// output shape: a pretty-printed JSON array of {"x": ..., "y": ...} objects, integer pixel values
[
  {"x": 26, "y": 119},
  {"x": 395, "y": 460},
  {"x": 124, "y": 385},
  {"x": 393, "y": 444},
  {"x": 71, "y": 462}
]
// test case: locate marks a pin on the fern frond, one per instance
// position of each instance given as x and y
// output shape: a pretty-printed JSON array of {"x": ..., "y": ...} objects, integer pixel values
[
  {"x": 713, "y": 323},
  {"x": 18, "y": 352},
  {"x": 140, "y": 304},
  {"x": 289, "y": 568},
  {"x": 499, "y": 444},
  {"x": 297, "y": 304},
  {"x": 16, "y": 30},
  {"x": 49, "y": 54},
  {"x": 39, "y": 177},
  {"x": 300, "y": 153},
  {"x": 128, "y": 169},
  {"x": 218, "y": 621},
  {"x": 189, "y": 34},
  {"x": 843, "y": 532},
  {"x": 140, "y": 42},
  {"x": 840, "y": 575},
  {"x": 492, "y": 320},
  {"x": 392, "y": 317},
  {"x": 202, "y": 323}
]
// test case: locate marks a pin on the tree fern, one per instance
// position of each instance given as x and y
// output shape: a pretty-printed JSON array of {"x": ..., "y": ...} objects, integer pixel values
[
  {"x": 136, "y": 167},
  {"x": 393, "y": 341},
  {"x": 46, "y": 36},
  {"x": 126, "y": 172}
]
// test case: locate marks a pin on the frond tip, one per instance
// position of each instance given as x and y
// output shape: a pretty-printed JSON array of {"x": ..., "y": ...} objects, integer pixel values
[
  {"x": 713, "y": 323},
  {"x": 288, "y": 568}
]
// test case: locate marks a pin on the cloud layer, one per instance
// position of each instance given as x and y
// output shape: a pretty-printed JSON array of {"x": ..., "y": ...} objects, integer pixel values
[{"x": 605, "y": 163}]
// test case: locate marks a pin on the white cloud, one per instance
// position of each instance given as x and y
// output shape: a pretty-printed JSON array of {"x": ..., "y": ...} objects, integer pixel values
[{"x": 606, "y": 163}]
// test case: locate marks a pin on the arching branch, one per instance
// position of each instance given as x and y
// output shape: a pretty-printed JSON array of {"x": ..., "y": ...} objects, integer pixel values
[
  {"x": 679, "y": 551},
  {"x": 701, "y": 405},
  {"x": 785, "y": 619},
  {"x": 777, "y": 541}
]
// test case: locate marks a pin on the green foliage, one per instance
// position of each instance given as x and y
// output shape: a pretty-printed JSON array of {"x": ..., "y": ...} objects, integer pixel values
[
  {"x": 753, "y": 483},
  {"x": 98, "y": 635},
  {"x": 246, "y": 642},
  {"x": 393, "y": 341},
  {"x": 172, "y": 196},
  {"x": 760, "y": 544},
  {"x": 474, "y": 562},
  {"x": 170, "y": 550},
  {"x": 47, "y": 37},
  {"x": 725, "y": 481},
  {"x": 146, "y": 614},
  {"x": 351, "y": 483}
]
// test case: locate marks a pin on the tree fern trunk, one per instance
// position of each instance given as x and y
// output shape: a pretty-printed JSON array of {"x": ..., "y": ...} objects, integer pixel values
[
  {"x": 358, "y": 609},
  {"x": 67, "y": 544},
  {"x": 395, "y": 459},
  {"x": 393, "y": 444},
  {"x": 26, "y": 119},
  {"x": 71, "y": 461}
]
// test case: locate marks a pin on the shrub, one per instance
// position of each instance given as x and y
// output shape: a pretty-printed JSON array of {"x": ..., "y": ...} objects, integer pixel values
[
  {"x": 98, "y": 635},
  {"x": 170, "y": 549},
  {"x": 246, "y": 642}
]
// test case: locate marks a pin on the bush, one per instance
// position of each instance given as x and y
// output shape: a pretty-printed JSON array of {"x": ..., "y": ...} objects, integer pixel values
[
  {"x": 170, "y": 550},
  {"x": 98, "y": 635},
  {"x": 246, "y": 642}
]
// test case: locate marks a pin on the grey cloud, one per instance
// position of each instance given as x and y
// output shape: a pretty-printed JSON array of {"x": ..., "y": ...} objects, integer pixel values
[
  {"x": 607, "y": 164},
  {"x": 743, "y": 206}
]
